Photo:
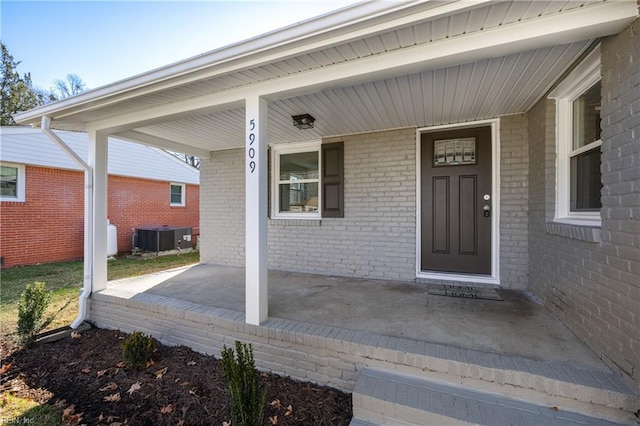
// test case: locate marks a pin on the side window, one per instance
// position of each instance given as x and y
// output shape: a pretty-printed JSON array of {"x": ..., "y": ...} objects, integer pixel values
[
  {"x": 12, "y": 182},
  {"x": 578, "y": 176},
  {"x": 307, "y": 181},
  {"x": 177, "y": 194}
]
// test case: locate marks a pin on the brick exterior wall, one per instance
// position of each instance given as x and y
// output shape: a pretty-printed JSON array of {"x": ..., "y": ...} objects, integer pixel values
[
  {"x": 375, "y": 239},
  {"x": 49, "y": 225},
  {"x": 514, "y": 202},
  {"x": 377, "y": 236},
  {"x": 136, "y": 203},
  {"x": 589, "y": 278}
]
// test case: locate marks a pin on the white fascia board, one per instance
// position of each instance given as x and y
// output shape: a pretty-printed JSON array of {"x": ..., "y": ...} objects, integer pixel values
[
  {"x": 268, "y": 48},
  {"x": 575, "y": 25}
]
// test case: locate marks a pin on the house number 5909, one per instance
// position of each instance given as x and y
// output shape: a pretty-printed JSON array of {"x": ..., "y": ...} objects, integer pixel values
[{"x": 252, "y": 151}]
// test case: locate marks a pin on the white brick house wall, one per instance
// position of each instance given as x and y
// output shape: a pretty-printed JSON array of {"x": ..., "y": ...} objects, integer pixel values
[{"x": 375, "y": 239}]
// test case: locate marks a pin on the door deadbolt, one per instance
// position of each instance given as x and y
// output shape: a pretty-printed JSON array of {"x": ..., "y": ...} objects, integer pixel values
[{"x": 486, "y": 210}]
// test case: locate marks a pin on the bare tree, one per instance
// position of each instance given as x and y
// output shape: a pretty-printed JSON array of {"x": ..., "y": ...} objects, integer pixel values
[
  {"x": 72, "y": 85},
  {"x": 191, "y": 160}
]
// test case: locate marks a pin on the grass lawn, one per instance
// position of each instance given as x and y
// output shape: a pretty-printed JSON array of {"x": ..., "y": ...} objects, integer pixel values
[{"x": 65, "y": 281}]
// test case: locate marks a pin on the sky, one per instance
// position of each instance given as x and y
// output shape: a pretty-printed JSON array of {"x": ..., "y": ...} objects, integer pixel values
[{"x": 106, "y": 41}]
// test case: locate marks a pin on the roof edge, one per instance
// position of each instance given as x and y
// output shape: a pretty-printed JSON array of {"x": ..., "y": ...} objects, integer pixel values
[{"x": 323, "y": 24}]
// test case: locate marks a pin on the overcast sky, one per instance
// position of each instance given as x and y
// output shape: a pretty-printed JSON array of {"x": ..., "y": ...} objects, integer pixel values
[{"x": 104, "y": 42}]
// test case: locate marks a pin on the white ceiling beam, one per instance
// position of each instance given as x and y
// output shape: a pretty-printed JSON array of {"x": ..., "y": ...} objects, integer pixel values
[
  {"x": 145, "y": 139},
  {"x": 571, "y": 26}
]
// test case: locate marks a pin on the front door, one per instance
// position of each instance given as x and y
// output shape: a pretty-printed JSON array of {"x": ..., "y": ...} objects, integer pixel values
[{"x": 456, "y": 201}]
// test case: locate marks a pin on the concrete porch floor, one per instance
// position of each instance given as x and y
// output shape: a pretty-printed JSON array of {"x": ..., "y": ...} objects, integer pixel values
[{"x": 516, "y": 326}]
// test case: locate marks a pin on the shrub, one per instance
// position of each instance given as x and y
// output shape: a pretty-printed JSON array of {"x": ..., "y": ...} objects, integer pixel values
[
  {"x": 32, "y": 306},
  {"x": 247, "y": 398},
  {"x": 137, "y": 349}
]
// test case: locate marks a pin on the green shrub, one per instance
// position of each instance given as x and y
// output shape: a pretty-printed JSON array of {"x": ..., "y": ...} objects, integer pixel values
[
  {"x": 32, "y": 306},
  {"x": 247, "y": 398},
  {"x": 138, "y": 349}
]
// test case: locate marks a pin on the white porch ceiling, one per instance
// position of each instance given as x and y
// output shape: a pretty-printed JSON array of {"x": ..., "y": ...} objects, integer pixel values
[
  {"x": 415, "y": 63},
  {"x": 468, "y": 92}
]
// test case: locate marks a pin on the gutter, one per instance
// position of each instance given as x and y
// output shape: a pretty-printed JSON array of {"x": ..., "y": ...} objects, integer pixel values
[{"x": 88, "y": 220}]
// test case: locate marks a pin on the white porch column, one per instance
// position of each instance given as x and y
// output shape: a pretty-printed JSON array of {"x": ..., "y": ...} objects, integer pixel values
[
  {"x": 256, "y": 283},
  {"x": 98, "y": 162}
]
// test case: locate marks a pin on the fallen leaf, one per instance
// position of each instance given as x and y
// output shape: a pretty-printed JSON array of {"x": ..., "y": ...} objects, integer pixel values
[
  {"x": 86, "y": 370},
  {"x": 226, "y": 423},
  {"x": 184, "y": 384},
  {"x": 275, "y": 403},
  {"x": 150, "y": 363},
  {"x": 554, "y": 408},
  {"x": 75, "y": 335},
  {"x": 112, "y": 398},
  {"x": 5, "y": 368},
  {"x": 102, "y": 372},
  {"x": 134, "y": 387},
  {"x": 273, "y": 420},
  {"x": 180, "y": 422},
  {"x": 60, "y": 404},
  {"x": 190, "y": 363},
  {"x": 167, "y": 409},
  {"x": 121, "y": 364},
  {"x": 111, "y": 386},
  {"x": 264, "y": 374},
  {"x": 289, "y": 411},
  {"x": 161, "y": 373}
]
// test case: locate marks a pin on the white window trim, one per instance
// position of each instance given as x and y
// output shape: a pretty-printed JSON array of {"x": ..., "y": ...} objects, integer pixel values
[
  {"x": 292, "y": 148},
  {"x": 21, "y": 183},
  {"x": 183, "y": 194},
  {"x": 583, "y": 77}
]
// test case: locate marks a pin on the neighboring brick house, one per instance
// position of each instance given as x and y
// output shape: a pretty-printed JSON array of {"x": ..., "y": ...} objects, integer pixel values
[
  {"x": 491, "y": 143},
  {"x": 41, "y": 209}
]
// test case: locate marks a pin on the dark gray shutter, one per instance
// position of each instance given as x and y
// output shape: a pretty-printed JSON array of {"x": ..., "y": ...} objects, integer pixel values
[{"x": 333, "y": 179}]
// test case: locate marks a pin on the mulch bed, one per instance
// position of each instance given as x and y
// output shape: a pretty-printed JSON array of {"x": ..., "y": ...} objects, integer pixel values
[{"x": 85, "y": 377}]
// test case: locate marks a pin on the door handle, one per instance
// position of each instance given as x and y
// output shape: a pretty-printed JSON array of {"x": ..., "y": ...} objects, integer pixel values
[{"x": 486, "y": 210}]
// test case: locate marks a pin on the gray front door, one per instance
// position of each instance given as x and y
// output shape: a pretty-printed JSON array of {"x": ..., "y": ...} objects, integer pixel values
[{"x": 456, "y": 201}]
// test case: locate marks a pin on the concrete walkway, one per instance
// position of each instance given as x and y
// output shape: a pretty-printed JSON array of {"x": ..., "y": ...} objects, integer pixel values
[{"x": 516, "y": 326}]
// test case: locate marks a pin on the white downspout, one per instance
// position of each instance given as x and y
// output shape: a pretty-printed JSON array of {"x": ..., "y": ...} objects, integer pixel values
[{"x": 88, "y": 220}]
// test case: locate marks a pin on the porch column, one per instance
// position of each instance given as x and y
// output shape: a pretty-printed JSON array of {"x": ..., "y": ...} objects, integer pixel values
[
  {"x": 256, "y": 285},
  {"x": 98, "y": 162}
]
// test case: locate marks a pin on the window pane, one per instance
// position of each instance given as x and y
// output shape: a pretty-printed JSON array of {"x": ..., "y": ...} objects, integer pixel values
[
  {"x": 8, "y": 181},
  {"x": 299, "y": 197},
  {"x": 454, "y": 152},
  {"x": 302, "y": 165},
  {"x": 176, "y": 194},
  {"x": 586, "y": 117},
  {"x": 586, "y": 181}
]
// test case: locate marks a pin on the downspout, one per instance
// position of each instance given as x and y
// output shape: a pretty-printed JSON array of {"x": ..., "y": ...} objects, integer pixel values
[{"x": 88, "y": 220}]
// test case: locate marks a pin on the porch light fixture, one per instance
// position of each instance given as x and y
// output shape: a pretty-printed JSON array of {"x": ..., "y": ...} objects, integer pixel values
[{"x": 304, "y": 121}]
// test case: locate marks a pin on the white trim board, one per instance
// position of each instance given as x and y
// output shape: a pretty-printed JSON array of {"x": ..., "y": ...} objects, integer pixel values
[{"x": 494, "y": 278}]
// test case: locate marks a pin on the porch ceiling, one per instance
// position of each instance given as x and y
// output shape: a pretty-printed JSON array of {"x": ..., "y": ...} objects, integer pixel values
[
  {"x": 370, "y": 67},
  {"x": 474, "y": 91}
]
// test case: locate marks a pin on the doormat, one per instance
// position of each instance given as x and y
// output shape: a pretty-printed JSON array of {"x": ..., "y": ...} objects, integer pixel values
[{"x": 468, "y": 292}]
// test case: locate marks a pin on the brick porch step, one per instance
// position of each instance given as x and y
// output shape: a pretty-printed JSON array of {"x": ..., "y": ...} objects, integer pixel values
[{"x": 382, "y": 397}]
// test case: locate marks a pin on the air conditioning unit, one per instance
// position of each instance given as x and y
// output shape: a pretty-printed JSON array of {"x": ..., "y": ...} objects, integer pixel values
[{"x": 164, "y": 238}]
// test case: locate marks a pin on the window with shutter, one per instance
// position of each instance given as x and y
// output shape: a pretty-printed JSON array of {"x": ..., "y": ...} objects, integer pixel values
[{"x": 307, "y": 180}]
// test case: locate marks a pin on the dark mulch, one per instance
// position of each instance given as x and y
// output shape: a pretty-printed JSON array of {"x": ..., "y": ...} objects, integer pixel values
[{"x": 183, "y": 387}]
